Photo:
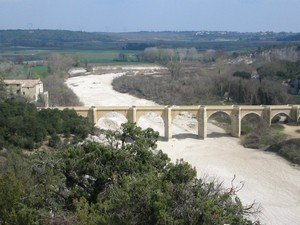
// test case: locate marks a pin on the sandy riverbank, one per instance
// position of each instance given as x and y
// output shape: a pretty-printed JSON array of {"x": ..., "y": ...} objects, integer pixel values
[{"x": 269, "y": 179}]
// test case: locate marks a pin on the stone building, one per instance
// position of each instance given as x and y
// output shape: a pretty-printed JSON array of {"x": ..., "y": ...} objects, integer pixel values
[{"x": 31, "y": 89}]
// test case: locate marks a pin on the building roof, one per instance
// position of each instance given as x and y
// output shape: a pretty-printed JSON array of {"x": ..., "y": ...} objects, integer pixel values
[{"x": 23, "y": 83}]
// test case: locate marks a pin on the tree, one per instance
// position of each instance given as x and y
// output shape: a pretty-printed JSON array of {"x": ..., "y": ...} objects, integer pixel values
[
  {"x": 182, "y": 53},
  {"x": 58, "y": 63},
  {"x": 122, "y": 57},
  {"x": 175, "y": 69},
  {"x": 192, "y": 54},
  {"x": 3, "y": 91}
]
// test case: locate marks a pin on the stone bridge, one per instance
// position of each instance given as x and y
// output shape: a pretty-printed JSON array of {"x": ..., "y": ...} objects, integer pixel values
[{"x": 202, "y": 113}]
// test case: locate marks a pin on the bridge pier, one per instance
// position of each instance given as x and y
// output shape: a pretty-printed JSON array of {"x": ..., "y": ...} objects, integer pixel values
[
  {"x": 266, "y": 116},
  {"x": 295, "y": 114},
  {"x": 236, "y": 122},
  {"x": 132, "y": 115},
  {"x": 202, "y": 123},
  {"x": 167, "y": 117},
  {"x": 92, "y": 115}
]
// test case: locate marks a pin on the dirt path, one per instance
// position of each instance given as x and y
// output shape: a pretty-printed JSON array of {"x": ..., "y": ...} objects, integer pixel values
[{"x": 269, "y": 179}]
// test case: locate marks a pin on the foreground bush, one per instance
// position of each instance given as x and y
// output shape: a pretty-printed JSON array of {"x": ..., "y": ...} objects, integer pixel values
[{"x": 122, "y": 182}]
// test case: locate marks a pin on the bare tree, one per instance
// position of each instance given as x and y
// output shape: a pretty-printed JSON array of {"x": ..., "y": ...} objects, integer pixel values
[
  {"x": 58, "y": 63},
  {"x": 175, "y": 69},
  {"x": 182, "y": 53}
]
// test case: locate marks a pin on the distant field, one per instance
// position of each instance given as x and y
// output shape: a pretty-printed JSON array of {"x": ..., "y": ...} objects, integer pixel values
[
  {"x": 41, "y": 71},
  {"x": 100, "y": 56},
  {"x": 92, "y": 56}
]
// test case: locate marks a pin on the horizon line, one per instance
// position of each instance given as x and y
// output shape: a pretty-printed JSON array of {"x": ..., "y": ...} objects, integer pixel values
[{"x": 150, "y": 31}]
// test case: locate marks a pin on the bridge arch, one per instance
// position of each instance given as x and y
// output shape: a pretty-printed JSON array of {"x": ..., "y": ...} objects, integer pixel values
[
  {"x": 224, "y": 122},
  {"x": 245, "y": 114},
  {"x": 152, "y": 120},
  {"x": 111, "y": 120},
  {"x": 188, "y": 121},
  {"x": 220, "y": 112},
  {"x": 212, "y": 113},
  {"x": 249, "y": 121},
  {"x": 280, "y": 114}
]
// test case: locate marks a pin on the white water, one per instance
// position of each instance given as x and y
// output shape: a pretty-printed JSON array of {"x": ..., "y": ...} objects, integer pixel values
[{"x": 268, "y": 179}]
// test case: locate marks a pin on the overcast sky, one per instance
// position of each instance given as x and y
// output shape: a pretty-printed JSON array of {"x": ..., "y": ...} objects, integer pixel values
[{"x": 152, "y": 15}]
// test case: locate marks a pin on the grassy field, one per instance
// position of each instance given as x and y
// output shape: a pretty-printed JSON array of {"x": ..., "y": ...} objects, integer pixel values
[
  {"x": 100, "y": 57},
  {"x": 41, "y": 71},
  {"x": 91, "y": 56}
]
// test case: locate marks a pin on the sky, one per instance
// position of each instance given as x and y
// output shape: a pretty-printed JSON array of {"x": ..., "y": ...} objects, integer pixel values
[{"x": 152, "y": 15}]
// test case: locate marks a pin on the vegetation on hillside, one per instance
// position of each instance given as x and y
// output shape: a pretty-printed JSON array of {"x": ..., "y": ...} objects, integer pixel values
[
  {"x": 63, "y": 39},
  {"x": 280, "y": 70},
  {"x": 23, "y": 125}
]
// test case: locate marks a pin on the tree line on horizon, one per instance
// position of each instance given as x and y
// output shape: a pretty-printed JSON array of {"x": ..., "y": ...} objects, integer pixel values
[{"x": 64, "y": 39}]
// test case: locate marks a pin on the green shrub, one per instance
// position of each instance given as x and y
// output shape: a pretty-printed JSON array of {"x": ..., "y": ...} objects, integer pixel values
[
  {"x": 258, "y": 134},
  {"x": 54, "y": 141},
  {"x": 242, "y": 74},
  {"x": 22, "y": 125},
  {"x": 289, "y": 149}
]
